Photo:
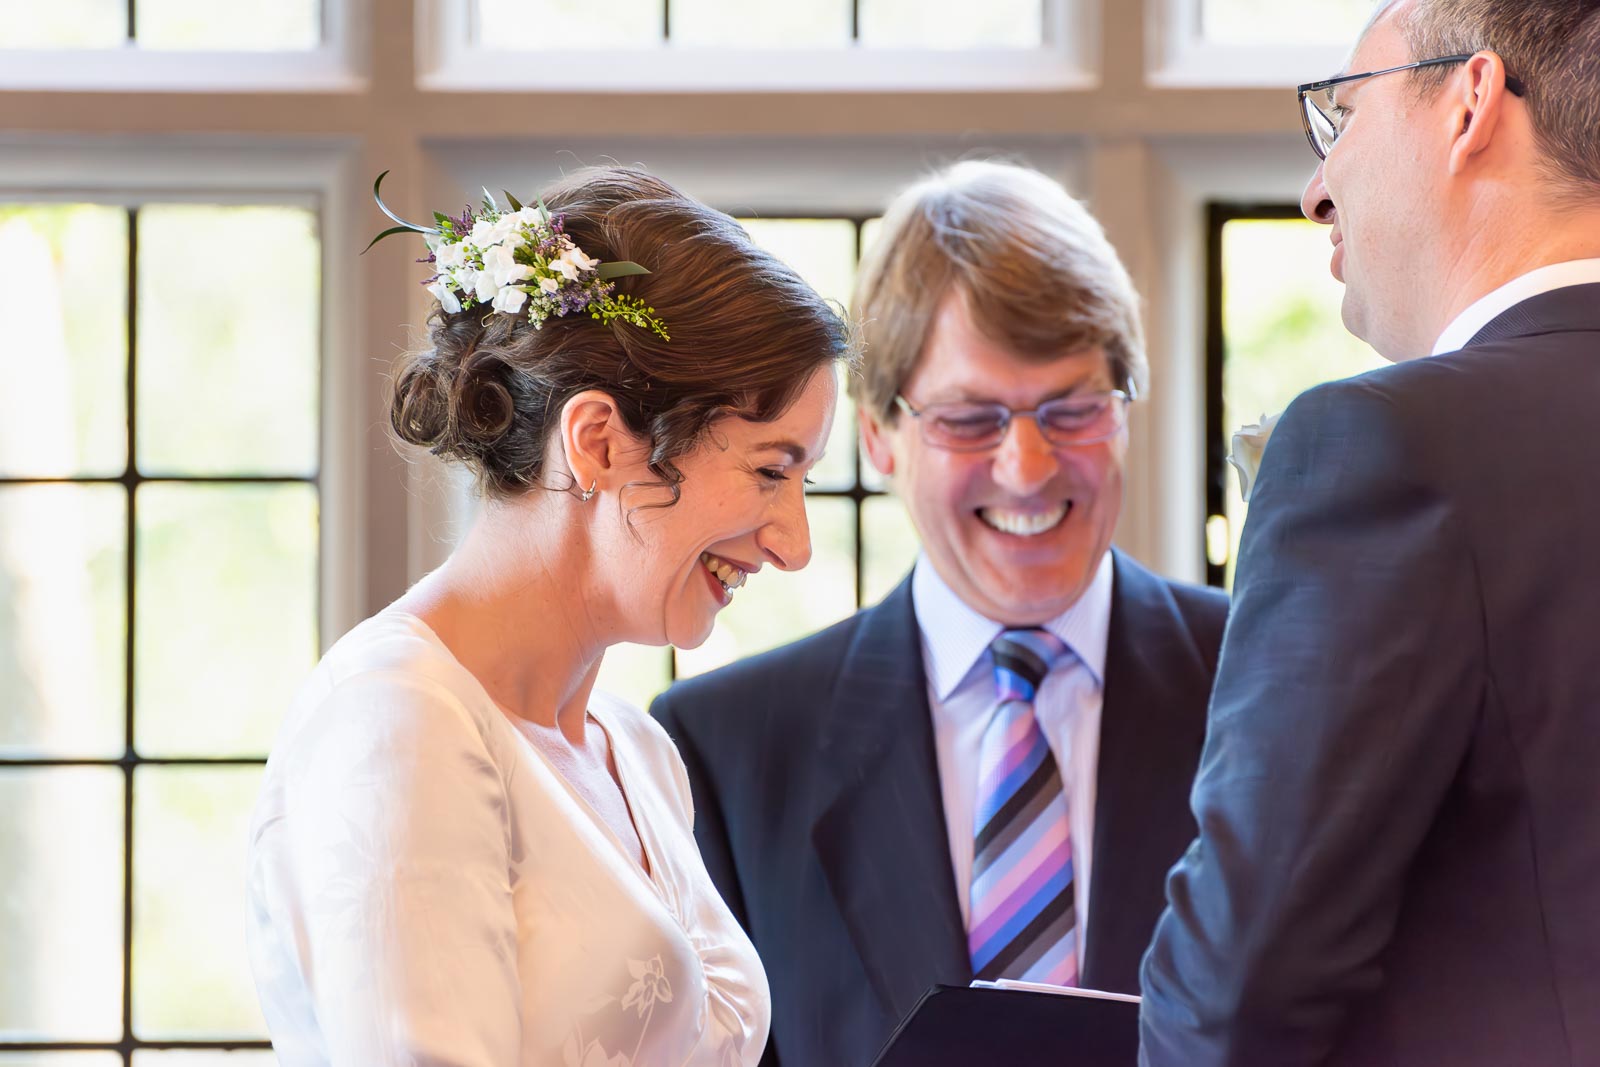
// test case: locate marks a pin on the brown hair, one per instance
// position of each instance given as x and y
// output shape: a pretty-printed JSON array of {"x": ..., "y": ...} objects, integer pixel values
[
  {"x": 1553, "y": 46},
  {"x": 1033, "y": 264},
  {"x": 746, "y": 335}
]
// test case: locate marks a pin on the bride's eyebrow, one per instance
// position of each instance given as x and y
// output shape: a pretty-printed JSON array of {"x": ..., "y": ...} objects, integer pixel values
[{"x": 797, "y": 452}]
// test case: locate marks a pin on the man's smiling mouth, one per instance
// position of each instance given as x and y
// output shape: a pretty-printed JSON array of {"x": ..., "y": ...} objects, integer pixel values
[{"x": 1025, "y": 523}]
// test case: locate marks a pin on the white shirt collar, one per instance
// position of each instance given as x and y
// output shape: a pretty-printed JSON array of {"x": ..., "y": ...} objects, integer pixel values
[
  {"x": 954, "y": 635},
  {"x": 1488, "y": 308}
]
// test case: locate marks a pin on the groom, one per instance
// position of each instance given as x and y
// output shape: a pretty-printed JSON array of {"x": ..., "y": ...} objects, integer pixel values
[{"x": 1399, "y": 804}]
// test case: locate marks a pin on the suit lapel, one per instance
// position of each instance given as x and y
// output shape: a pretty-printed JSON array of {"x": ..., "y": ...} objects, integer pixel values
[
  {"x": 880, "y": 834},
  {"x": 1151, "y": 729}
]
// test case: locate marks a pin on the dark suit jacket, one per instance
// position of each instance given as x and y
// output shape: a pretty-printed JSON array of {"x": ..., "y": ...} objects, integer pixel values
[
  {"x": 1399, "y": 802},
  {"x": 819, "y": 813}
]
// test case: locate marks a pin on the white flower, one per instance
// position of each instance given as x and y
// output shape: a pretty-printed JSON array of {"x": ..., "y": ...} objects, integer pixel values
[
  {"x": 575, "y": 256},
  {"x": 482, "y": 229},
  {"x": 549, "y": 285},
  {"x": 485, "y": 287},
  {"x": 1249, "y": 445},
  {"x": 447, "y": 298},
  {"x": 450, "y": 256},
  {"x": 501, "y": 262},
  {"x": 565, "y": 268},
  {"x": 510, "y": 300}
]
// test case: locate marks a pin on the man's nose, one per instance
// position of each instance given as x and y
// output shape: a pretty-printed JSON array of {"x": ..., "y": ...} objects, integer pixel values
[
  {"x": 1024, "y": 461},
  {"x": 1315, "y": 203}
]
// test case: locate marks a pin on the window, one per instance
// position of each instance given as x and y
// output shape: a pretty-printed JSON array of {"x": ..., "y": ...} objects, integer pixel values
[
  {"x": 160, "y": 468},
  {"x": 160, "y": 25},
  {"x": 862, "y": 541},
  {"x": 181, "y": 44},
  {"x": 632, "y": 44},
  {"x": 1273, "y": 331},
  {"x": 1252, "y": 42}
]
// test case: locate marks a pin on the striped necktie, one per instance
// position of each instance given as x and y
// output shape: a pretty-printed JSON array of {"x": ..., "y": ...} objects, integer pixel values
[{"x": 1021, "y": 921}]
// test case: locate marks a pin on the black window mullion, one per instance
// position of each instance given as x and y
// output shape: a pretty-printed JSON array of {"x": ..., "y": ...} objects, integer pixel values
[
  {"x": 130, "y": 594},
  {"x": 855, "y": 38},
  {"x": 133, "y": 29},
  {"x": 666, "y": 21}
]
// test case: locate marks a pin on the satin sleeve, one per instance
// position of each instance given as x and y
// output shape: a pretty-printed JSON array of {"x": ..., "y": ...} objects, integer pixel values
[{"x": 388, "y": 865}]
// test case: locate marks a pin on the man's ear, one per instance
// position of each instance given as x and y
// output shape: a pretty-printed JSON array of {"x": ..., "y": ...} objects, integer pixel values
[
  {"x": 595, "y": 440},
  {"x": 1478, "y": 107},
  {"x": 875, "y": 441}
]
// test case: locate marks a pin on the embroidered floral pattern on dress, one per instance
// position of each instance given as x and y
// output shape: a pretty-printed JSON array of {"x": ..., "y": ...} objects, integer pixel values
[{"x": 650, "y": 987}]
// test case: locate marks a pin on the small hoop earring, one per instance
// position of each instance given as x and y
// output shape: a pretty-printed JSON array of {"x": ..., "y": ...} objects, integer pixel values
[{"x": 588, "y": 494}]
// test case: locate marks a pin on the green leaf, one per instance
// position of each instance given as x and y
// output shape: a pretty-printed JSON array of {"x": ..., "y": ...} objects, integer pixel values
[
  {"x": 516, "y": 205},
  {"x": 488, "y": 201},
  {"x": 622, "y": 268},
  {"x": 385, "y": 209},
  {"x": 544, "y": 212},
  {"x": 443, "y": 220},
  {"x": 390, "y": 232}
]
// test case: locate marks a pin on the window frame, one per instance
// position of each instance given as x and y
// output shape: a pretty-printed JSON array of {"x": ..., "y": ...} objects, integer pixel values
[
  {"x": 1180, "y": 56},
  {"x": 309, "y": 176},
  {"x": 449, "y": 61},
  {"x": 334, "y": 65},
  {"x": 1218, "y": 481}
]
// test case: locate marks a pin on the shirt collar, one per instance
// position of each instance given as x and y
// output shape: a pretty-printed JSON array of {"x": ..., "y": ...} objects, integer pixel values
[
  {"x": 1488, "y": 308},
  {"x": 955, "y": 636}
]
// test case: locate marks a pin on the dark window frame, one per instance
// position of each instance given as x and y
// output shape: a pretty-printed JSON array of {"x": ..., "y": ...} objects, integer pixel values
[{"x": 1218, "y": 484}]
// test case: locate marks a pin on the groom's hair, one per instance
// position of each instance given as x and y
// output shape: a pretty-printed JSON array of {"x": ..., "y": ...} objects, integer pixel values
[
  {"x": 1033, "y": 265},
  {"x": 1552, "y": 45}
]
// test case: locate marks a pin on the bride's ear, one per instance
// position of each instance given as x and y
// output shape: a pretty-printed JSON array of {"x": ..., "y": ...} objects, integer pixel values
[{"x": 596, "y": 442}]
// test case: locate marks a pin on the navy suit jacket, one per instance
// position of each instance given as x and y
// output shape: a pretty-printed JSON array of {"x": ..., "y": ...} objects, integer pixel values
[
  {"x": 819, "y": 812},
  {"x": 1399, "y": 803}
]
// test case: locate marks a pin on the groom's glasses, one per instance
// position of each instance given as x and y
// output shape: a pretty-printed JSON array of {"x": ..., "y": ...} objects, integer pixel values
[
  {"x": 1323, "y": 118},
  {"x": 1079, "y": 419}
]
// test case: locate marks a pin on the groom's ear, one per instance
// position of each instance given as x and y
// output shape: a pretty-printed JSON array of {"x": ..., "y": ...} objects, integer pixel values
[{"x": 1477, "y": 109}]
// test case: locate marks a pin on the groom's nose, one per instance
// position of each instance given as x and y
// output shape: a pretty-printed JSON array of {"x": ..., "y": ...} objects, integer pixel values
[{"x": 1315, "y": 203}]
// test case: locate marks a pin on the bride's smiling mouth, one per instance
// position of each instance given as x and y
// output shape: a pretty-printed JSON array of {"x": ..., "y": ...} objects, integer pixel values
[{"x": 729, "y": 575}]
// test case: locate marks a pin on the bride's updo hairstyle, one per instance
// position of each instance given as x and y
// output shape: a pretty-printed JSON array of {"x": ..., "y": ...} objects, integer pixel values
[{"x": 746, "y": 334}]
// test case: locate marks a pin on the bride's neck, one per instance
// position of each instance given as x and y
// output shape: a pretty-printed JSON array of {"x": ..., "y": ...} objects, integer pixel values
[{"x": 520, "y": 605}]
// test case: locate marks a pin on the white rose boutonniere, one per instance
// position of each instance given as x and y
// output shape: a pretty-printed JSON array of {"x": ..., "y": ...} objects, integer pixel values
[{"x": 1249, "y": 443}]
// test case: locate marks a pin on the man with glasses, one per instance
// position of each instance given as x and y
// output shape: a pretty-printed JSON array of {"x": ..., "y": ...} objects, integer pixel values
[
  {"x": 1399, "y": 808},
  {"x": 986, "y": 774}
]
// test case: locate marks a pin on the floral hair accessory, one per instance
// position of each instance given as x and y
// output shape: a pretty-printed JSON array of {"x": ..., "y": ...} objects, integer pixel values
[{"x": 520, "y": 262}]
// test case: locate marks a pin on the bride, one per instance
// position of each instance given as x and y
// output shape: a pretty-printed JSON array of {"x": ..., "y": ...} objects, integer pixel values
[{"x": 462, "y": 853}]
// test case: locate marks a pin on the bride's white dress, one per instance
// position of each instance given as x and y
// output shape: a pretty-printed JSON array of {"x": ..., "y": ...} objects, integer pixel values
[{"x": 425, "y": 889}]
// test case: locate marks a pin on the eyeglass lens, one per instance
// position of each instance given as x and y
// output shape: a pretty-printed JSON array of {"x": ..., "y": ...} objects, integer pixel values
[
  {"x": 1069, "y": 421},
  {"x": 1319, "y": 111}
]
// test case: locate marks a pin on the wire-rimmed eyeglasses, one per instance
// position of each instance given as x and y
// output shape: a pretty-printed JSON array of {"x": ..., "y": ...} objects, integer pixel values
[
  {"x": 970, "y": 426},
  {"x": 1320, "y": 114}
]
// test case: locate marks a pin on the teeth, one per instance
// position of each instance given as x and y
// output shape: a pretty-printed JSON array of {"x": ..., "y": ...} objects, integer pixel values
[
  {"x": 1021, "y": 524},
  {"x": 730, "y": 576}
]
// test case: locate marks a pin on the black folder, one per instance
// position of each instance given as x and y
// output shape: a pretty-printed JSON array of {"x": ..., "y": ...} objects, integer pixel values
[{"x": 958, "y": 1026}]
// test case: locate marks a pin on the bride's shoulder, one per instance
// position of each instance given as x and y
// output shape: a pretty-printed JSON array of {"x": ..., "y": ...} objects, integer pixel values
[{"x": 390, "y": 643}]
